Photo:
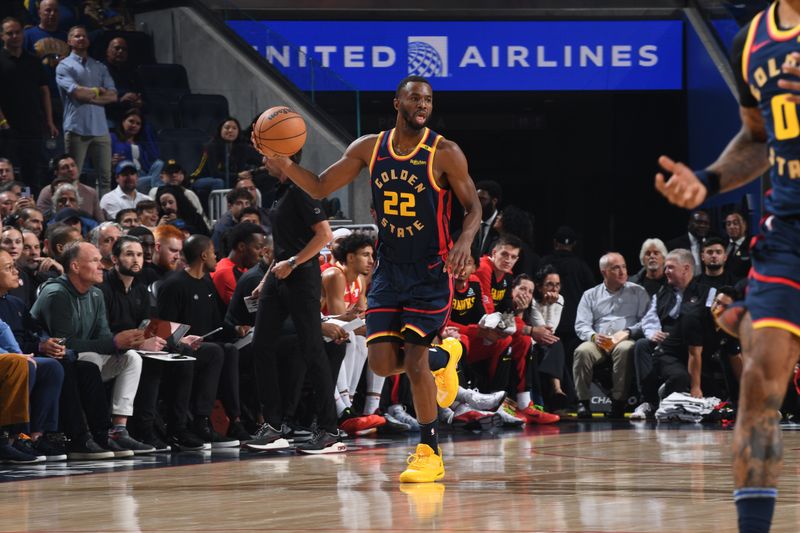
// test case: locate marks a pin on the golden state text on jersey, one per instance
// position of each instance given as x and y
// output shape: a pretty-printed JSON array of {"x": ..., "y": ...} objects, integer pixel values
[
  {"x": 412, "y": 211},
  {"x": 765, "y": 50}
]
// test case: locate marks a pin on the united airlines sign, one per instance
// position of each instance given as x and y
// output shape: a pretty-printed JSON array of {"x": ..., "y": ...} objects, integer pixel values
[{"x": 474, "y": 56}]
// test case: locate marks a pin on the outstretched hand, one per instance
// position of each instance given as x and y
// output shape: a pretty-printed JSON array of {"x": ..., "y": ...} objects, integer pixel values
[{"x": 682, "y": 188}]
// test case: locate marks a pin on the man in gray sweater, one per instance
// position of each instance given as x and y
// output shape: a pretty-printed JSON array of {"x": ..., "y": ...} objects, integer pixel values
[{"x": 70, "y": 307}]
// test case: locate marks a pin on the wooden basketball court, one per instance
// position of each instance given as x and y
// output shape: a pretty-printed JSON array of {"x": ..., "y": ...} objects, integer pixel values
[{"x": 593, "y": 476}]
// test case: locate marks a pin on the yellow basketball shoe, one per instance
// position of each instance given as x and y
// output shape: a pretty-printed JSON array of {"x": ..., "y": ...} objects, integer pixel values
[
  {"x": 447, "y": 378},
  {"x": 424, "y": 466}
]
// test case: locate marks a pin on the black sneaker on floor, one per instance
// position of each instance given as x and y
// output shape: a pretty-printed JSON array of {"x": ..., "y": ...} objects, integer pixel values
[
  {"x": 202, "y": 428},
  {"x": 151, "y": 438},
  {"x": 584, "y": 411},
  {"x": 52, "y": 446},
  {"x": 11, "y": 455},
  {"x": 236, "y": 430},
  {"x": 323, "y": 442},
  {"x": 184, "y": 440},
  {"x": 107, "y": 443},
  {"x": 24, "y": 444},
  {"x": 84, "y": 448},
  {"x": 124, "y": 440},
  {"x": 269, "y": 438},
  {"x": 295, "y": 433}
]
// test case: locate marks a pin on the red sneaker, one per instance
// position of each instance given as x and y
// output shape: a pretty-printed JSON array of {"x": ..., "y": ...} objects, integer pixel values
[{"x": 537, "y": 416}]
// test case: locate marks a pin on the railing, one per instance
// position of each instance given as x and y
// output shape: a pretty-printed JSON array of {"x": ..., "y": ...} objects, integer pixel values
[{"x": 322, "y": 85}]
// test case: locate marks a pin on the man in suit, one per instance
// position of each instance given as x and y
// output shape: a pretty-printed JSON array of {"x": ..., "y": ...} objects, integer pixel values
[
  {"x": 490, "y": 194},
  {"x": 738, "y": 245},
  {"x": 698, "y": 230}
]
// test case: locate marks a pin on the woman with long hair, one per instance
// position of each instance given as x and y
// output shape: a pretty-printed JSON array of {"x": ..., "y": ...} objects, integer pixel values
[
  {"x": 174, "y": 208},
  {"x": 133, "y": 141}
]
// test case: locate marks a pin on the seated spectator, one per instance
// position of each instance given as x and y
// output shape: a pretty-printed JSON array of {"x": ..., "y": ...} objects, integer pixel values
[
  {"x": 76, "y": 219},
  {"x": 248, "y": 184},
  {"x": 738, "y": 245},
  {"x": 32, "y": 219},
  {"x": 238, "y": 199},
  {"x": 6, "y": 170},
  {"x": 175, "y": 209},
  {"x": 651, "y": 276},
  {"x": 225, "y": 158},
  {"x": 251, "y": 215},
  {"x": 71, "y": 307},
  {"x": 698, "y": 230},
  {"x": 168, "y": 243},
  {"x": 44, "y": 373},
  {"x": 246, "y": 242},
  {"x": 672, "y": 352},
  {"x": 723, "y": 347},
  {"x": 714, "y": 259},
  {"x": 123, "y": 72},
  {"x": 608, "y": 322},
  {"x": 38, "y": 268},
  {"x": 103, "y": 237},
  {"x": 86, "y": 88},
  {"x": 147, "y": 211},
  {"x": 188, "y": 296},
  {"x": 173, "y": 174},
  {"x": 11, "y": 243},
  {"x": 7, "y": 201},
  {"x": 518, "y": 222},
  {"x": 128, "y": 304},
  {"x": 545, "y": 316},
  {"x": 125, "y": 195},
  {"x": 25, "y": 103},
  {"x": 57, "y": 237},
  {"x": 238, "y": 314},
  {"x": 13, "y": 406},
  {"x": 133, "y": 141},
  {"x": 147, "y": 241},
  {"x": 64, "y": 166},
  {"x": 127, "y": 218}
]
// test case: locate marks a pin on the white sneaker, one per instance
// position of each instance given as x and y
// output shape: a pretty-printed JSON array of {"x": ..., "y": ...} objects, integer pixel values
[
  {"x": 478, "y": 400},
  {"x": 509, "y": 415},
  {"x": 446, "y": 415},
  {"x": 642, "y": 411},
  {"x": 400, "y": 413},
  {"x": 393, "y": 424}
]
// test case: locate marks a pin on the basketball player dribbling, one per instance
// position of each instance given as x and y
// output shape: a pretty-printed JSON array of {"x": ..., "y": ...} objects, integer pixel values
[
  {"x": 413, "y": 172},
  {"x": 766, "y": 58}
]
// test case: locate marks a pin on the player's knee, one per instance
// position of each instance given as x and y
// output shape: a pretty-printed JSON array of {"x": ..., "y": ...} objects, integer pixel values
[{"x": 380, "y": 366}]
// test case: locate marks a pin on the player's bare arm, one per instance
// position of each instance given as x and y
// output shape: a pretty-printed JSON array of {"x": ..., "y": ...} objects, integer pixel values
[
  {"x": 336, "y": 176},
  {"x": 334, "y": 286},
  {"x": 743, "y": 160},
  {"x": 450, "y": 166}
]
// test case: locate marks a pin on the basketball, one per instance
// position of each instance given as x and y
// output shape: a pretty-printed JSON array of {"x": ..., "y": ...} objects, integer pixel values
[{"x": 279, "y": 131}]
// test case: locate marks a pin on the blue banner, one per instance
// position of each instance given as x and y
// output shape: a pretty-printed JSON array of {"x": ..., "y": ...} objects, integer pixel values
[{"x": 473, "y": 56}]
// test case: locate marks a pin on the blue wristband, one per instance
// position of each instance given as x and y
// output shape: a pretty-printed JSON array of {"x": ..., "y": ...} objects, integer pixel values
[{"x": 710, "y": 179}]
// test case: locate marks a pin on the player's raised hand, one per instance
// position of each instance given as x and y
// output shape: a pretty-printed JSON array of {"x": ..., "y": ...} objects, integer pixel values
[
  {"x": 791, "y": 66},
  {"x": 682, "y": 188}
]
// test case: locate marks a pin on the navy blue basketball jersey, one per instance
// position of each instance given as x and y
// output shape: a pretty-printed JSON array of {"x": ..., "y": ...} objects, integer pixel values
[
  {"x": 765, "y": 50},
  {"x": 412, "y": 211}
]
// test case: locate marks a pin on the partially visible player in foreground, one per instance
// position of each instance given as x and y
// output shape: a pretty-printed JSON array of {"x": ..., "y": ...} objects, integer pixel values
[
  {"x": 768, "y": 322},
  {"x": 413, "y": 172}
]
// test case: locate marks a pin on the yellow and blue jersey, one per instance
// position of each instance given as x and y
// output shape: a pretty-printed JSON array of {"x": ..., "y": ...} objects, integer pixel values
[
  {"x": 412, "y": 211},
  {"x": 760, "y": 56}
]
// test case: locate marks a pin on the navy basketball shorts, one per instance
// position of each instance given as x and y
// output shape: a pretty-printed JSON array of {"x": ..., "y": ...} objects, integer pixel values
[
  {"x": 408, "y": 302},
  {"x": 773, "y": 288}
]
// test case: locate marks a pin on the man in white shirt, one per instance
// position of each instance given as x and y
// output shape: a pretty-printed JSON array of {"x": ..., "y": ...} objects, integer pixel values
[{"x": 125, "y": 196}]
